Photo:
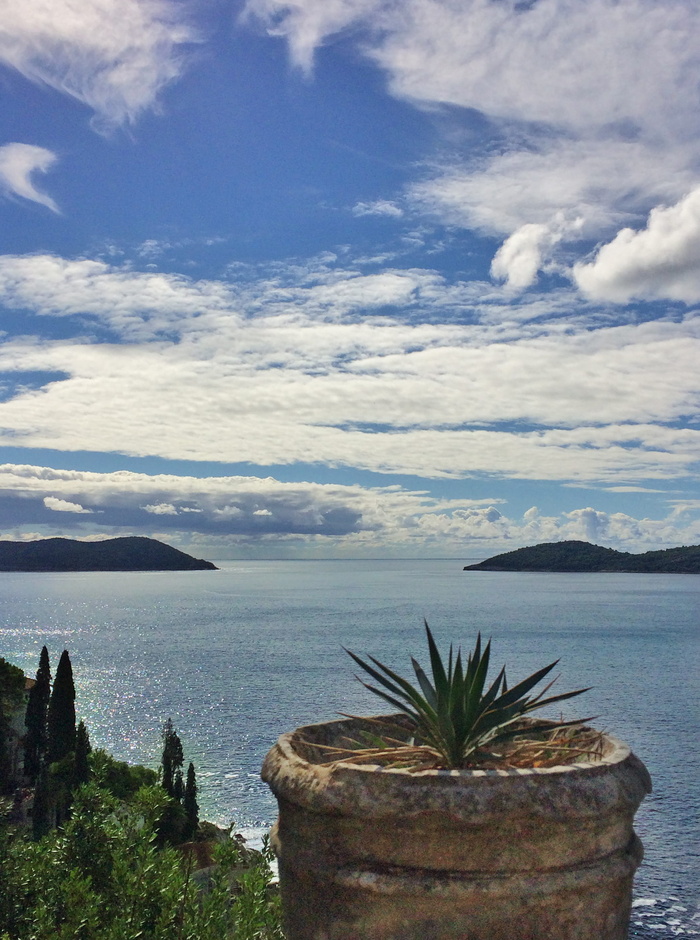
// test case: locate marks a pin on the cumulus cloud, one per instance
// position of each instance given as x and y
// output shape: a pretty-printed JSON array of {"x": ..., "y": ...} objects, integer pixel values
[
  {"x": 18, "y": 162},
  {"x": 331, "y": 519},
  {"x": 577, "y": 188},
  {"x": 662, "y": 260},
  {"x": 115, "y": 56},
  {"x": 519, "y": 258},
  {"x": 593, "y": 107},
  {"x": 161, "y": 509},
  {"x": 218, "y": 506},
  {"x": 616, "y": 529},
  {"x": 63, "y": 505}
]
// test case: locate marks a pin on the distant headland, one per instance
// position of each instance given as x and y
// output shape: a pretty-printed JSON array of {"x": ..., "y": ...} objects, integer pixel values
[
  {"x": 132, "y": 553},
  {"x": 575, "y": 555}
]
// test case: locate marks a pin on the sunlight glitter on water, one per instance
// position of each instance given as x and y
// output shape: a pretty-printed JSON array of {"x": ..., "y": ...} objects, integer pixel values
[{"x": 238, "y": 656}]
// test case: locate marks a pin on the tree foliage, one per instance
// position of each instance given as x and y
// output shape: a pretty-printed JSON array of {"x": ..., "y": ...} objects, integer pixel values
[
  {"x": 42, "y": 810},
  {"x": 81, "y": 763},
  {"x": 61, "y": 714},
  {"x": 11, "y": 686},
  {"x": 11, "y": 691},
  {"x": 35, "y": 742},
  {"x": 190, "y": 804},
  {"x": 102, "y": 877},
  {"x": 171, "y": 761},
  {"x": 118, "y": 778}
]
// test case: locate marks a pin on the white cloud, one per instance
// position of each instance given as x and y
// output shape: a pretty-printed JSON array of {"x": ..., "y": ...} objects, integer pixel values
[
  {"x": 231, "y": 505},
  {"x": 379, "y": 207},
  {"x": 62, "y": 505},
  {"x": 136, "y": 304},
  {"x": 306, "y": 23},
  {"x": 661, "y": 261},
  {"x": 327, "y": 519},
  {"x": 519, "y": 258},
  {"x": 593, "y": 108},
  {"x": 577, "y": 186},
  {"x": 158, "y": 400},
  {"x": 298, "y": 368},
  {"x": 561, "y": 62},
  {"x": 115, "y": 56},
  {"x": 580, "y": 66},
  {"x": 616, "y": 530},
  {"x": 18, "y": 162},
  {"x": 161, "y": 509}
]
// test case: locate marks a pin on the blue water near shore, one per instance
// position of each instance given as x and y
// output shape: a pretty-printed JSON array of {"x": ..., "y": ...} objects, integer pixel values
[{"x": 239, "y": 655}]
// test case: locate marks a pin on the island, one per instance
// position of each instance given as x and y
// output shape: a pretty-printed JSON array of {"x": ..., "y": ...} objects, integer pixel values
[
  {"x": 131, "y": 553},
  {"x": 575, "y": 556}
]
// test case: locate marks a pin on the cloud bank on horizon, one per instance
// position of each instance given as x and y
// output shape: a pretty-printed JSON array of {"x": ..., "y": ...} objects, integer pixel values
[{"x": 430, "y": 265}]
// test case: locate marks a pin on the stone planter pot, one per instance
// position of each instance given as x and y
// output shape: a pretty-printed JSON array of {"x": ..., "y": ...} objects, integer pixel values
[{"x": 368, "y": 853}]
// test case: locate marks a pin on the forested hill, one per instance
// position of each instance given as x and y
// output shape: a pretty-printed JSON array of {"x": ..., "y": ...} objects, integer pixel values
[
  {"x": 583, "y": 556},
  {"x": 132, "y": 553}
]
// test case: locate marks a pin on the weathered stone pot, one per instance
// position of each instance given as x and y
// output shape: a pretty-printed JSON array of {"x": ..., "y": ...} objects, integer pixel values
[{"x": 368, "y": 853}]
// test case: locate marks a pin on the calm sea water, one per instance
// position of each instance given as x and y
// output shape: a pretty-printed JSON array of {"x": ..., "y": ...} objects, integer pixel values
[{"x": 237, "y": 656}]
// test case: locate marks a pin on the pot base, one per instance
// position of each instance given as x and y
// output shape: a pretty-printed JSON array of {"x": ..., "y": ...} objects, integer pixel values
[{"x": 587, "y": 902}]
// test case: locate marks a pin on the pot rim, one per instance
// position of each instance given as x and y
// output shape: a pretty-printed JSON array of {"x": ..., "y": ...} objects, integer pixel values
[
  {"x": 584, "y": 789},
  {"x": 616, "y": 752}
]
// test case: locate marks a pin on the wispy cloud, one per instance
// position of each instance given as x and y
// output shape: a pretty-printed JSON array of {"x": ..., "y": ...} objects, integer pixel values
[
  {"x": 311, "y": 366},
  {"x": 306, "y": 23},
  {"x": 379, "y": 207},
  {"x": 556, "y": 62},
  {"x": 592, "y": 108},
  {"x": 18, "y": 162},
  {"x": 115, "y": 56}
]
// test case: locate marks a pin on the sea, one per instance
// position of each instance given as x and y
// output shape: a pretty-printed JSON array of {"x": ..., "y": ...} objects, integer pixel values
[{"x": 236, "y": 657}]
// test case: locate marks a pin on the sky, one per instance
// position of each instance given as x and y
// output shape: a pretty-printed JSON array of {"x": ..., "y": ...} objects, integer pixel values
[{"x": 350, "y": 278}]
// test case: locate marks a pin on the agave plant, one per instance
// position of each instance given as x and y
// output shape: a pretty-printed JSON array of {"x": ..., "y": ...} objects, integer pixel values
[{"x": 455, "y": 714}]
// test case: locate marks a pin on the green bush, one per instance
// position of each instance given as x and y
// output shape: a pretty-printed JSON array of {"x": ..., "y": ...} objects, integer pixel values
[
  {"x": 120, "y": 779},
  {"x": 103, "y": 877}
]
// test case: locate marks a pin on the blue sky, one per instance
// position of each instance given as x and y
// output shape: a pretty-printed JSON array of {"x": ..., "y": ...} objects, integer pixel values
[{"x": 340, "y": 278}]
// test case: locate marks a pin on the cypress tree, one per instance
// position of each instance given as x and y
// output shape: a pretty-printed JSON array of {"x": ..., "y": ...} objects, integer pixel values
[
  {"x": 81, "y": 767},
  {"x": 61, "y": 714},
  {"x": 42, "y": 810},
  {"x": 171, "y": 761},
  {"x": 190, "y": 804},
  {"x": 178, "y": 786},
  {"x": 35, "y": 719}
]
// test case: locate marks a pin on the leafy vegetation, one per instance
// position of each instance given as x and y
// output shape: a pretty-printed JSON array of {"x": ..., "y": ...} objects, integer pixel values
[
  {"x": 104, "y": 859},
  {"x": 102, "y": 876},
  {"x": 171, "y": 761},
  {"x": 454, "y": 717},
  {"x": 36, "y": 719},
  {"x": 119, "y": 779},
  {"x": 11, "y": 690},
  {"x": 61, "y": 713},
  {"x": 190, "y": 805}
]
